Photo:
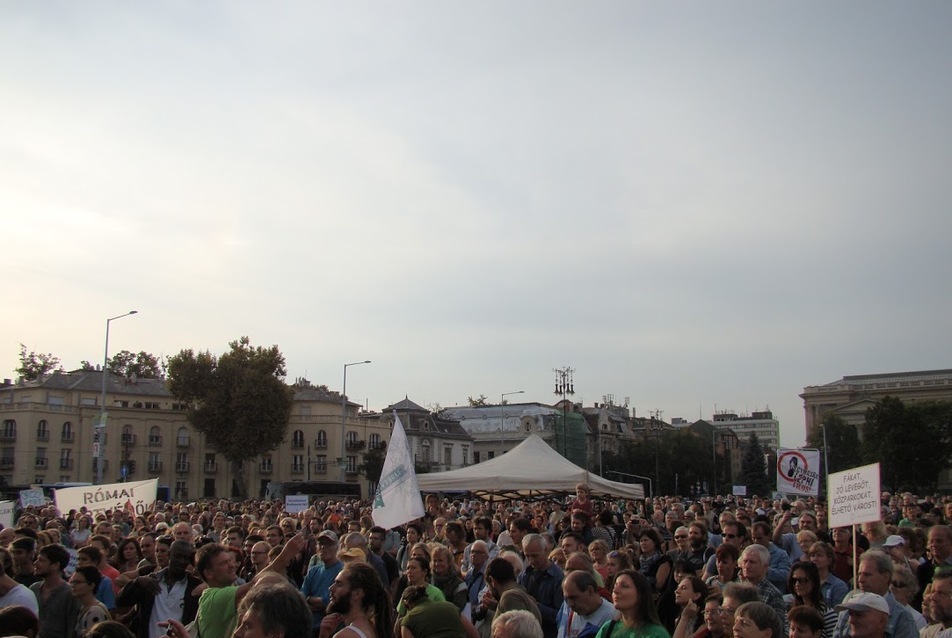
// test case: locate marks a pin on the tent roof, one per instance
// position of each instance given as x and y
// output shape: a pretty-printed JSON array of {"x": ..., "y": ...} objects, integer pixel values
[{"x": 532, "y": 469}]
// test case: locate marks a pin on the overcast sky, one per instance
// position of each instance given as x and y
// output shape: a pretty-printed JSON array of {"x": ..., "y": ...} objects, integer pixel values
[{"x": 698, "y": 205}]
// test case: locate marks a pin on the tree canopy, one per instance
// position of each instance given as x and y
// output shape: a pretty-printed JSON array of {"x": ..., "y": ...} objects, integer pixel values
[
  {"x": 143, "y": 365},
  {"x": 34, "y": 365},
  {"x": 238, "y": 401},
  {"x": 842, "y": 443},
  {"x": 753, "y": 472},
  {"x": 477, "y": 401}
]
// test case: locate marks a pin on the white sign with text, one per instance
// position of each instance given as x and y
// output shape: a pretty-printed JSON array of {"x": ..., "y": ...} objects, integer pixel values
[{"x": 854, "y": 496}]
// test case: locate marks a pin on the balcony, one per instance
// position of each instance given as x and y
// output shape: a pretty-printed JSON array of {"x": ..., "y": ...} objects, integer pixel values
[
  {"x": 66, "y": 437},
  {"x": 352, "y": 472},
  {"x": 356, "y": 445},
  {"x": 320, "y": 469},
  {"x": 42, "y": 463},
  {"x": 128, "y": 439},
  {"x": 297, "y": 469},
  {"x": 182, "y": 467},
  {"x": 211, "y": 467},
  {"x": 182, "y": 441},
  {"x": 155, "y": 467},
  {"x": 155, "y": 440},
  {"x": 43, "y": 435},
  {"x": 6, "y": 462},
  {"x": 297, "y": 444},
  {"x": 265, "y": 468},
  {"x": 66, "y": 464},
  {"x": 8, "y": 435},
  {"x": 320, "y": 444}
]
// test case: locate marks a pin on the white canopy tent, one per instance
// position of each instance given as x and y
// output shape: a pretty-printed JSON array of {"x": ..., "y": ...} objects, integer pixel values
[{"x": 530, "y": 470}]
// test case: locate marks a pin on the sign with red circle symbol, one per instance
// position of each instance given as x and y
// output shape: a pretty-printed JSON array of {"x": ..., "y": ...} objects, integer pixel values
[{"x": 798, "y": 471}]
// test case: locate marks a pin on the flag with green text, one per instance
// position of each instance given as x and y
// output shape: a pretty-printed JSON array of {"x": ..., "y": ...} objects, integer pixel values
[{"x": 398, "y": 497}]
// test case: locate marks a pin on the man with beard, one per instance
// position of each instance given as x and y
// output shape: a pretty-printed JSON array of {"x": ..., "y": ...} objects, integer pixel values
[
  {"x": 356, "y": 596},
  {"x": 317, "y": 582},
  {"x": 58, "y": 607},
  {"x": 698, "y": 552},
  {"x": 504, "y": 593},
  {"x": 167, "y": 593},
  {"x": 938, "y": 605}
]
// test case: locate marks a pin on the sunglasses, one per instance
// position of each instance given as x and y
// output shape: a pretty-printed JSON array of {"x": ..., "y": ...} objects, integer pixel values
[
  {"x": 802, "y": 581},
  {"x": 679, "y": 537}
]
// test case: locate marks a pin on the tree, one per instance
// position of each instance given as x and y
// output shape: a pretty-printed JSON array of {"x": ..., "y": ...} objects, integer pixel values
[
  {"x": 34, "y": 365},
  {"x": 239, "y": 401},
  {"x": 372, "y": 465},
  {"x": 842, "y": 442},
  {"x": 478, "y": 402},
  {"x": 143, "y": 365},
  {"x": 896, "y": 436},
  {"x": 753, "y": 472}
]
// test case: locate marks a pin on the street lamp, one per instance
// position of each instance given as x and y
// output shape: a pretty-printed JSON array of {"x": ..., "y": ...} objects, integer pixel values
[
  {"x": 826, "y": 460},
  {"x": 564, "y": 385},
  {"x": 343, "y": 420},
  {"x": 502, "y": 414},
  {"x": 101, "y": 428}
]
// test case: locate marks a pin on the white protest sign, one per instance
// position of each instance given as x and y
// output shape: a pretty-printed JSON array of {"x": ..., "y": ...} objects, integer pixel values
[
  {"x": 6, "y": 513},
  {"x": 740, "y": 490},
  {"x": 854, "y": 496},
  {"x": 294, "y": 503},
  {"x": 798, "y": 472},
  {"x": 32, "y": 497},
  {"x": 139, "y": 497}
]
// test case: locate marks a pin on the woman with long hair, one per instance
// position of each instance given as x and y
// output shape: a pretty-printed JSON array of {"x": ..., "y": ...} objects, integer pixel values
[
  {"x": 725, "y": 564},
  {"x": 83, "y": 583},
  {"x": 414, "y": 535},
  {"x": 128, "y": 555},
  {"x": 689, "y": 597},
  {"x": 418, "y": 575},
  {"x": 446, "y": 577},
  {"x": 81, "y": 531},
  {"x": 657, "y": 568},
  {"x": 618, "y": 561},
  {"x": 804, "y": 584},
  {"x": 598, "y": 550},
  {"x": 634, "y": 600}
]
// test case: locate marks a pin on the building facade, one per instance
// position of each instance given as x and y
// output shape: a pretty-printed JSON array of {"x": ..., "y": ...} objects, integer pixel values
[
  {"x": 47, "y": 436},
  {"x": 851, "y": 396},
  {"x": 762, "y": 423},
  {"x": 437, "y": 443}
]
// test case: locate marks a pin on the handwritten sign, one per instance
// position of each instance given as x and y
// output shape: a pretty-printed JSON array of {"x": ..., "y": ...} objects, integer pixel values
[
  {"x": 854, "y": 496},
  {"x": 798, "y": 472},
  {"x": 294, "y": 503},
  {"x": 32, "y": 497}
]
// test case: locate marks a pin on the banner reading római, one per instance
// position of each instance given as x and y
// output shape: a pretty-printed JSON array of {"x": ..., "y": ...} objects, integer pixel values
[
  {"x": 798, "y": 472},
  {"x": 138, "y": 497}
]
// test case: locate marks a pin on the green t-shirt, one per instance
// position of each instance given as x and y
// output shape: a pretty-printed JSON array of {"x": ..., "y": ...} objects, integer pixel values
[
  {"x": 217, "y": 614},
  {"x": 621, "y": 631},
  {"x": 433, "y": 593}
]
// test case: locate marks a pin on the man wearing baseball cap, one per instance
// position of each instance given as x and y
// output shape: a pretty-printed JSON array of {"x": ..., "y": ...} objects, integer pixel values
[
  {"x": 317, "y": 582},
  {"x": 873, "y": 577},
  {"x": 868, "y": 614}
]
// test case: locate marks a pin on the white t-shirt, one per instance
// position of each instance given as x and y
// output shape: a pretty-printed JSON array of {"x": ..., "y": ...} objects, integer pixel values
[{"x": 20, "y": 595}]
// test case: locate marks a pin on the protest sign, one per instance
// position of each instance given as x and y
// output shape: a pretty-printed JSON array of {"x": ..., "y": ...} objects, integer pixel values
[
  {"x": 138, "y": 497},
  {"x": 6, "y": 513},
  {"x": 32, "y": 497},
  {"x": 854, "y": 496},
  {"x": 798, "y": 472},
  {"x": 294, "y": 503}
]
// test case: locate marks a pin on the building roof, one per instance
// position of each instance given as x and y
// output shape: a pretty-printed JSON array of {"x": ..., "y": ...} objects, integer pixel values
[
  {"x": 91, "y": 381},
  {"x": 405, "y": 406},
  {"x": 860, "y": 380}
]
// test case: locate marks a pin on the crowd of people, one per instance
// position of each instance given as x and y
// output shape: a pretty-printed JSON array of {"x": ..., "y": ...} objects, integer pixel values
[{"x": 573, "y": 568}]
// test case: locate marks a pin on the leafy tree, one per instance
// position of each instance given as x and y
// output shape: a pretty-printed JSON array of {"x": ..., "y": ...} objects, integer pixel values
[
  {"x": 753, "y": 472},
  {"x": 143, "y": 365},
  {"x": 842, "y": 442},
  {"x": 34, "y": 365},
  {"x": 86, "y": 366},
  {"x": 478, "y": 401},
  {"x": 372, "y": 465},
  {"x": 239, "y": 400},
  {"x": 897, "y": 435}
]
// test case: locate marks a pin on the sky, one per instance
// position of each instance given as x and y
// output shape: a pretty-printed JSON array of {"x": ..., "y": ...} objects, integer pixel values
[{"x": 698, "y": 206}]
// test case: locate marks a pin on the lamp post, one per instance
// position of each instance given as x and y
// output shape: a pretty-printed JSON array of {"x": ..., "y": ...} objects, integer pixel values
[
  {"x": 343, "y": 420},
  {"x": 564, "y": 385},
  {"x": 101, "y": 428},
  {"x": 502, "y": 416},
  {"x": 826, "y": 461}
]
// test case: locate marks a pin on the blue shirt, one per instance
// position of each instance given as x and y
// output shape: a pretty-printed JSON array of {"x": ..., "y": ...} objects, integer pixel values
[{"x": 317, "y": 583}]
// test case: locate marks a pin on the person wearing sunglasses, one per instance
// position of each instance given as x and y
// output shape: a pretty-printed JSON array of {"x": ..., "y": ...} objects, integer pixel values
[{"x": 804, "y": 585}]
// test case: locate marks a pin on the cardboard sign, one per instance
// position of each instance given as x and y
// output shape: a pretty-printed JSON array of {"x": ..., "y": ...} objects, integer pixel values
[
  {"x": 798, "y": 472},
  {"x": 32, "y": 497},
  {"x": 740, "y": 490},
  {"x": 854, "y": 496},
  {"x": 294, "y": 503}
]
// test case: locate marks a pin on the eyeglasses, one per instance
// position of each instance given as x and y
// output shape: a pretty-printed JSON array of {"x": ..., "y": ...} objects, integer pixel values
[
  {"x": 78, "y": 582},
  {"x": 732, "y": 536},
  {"x": 720, "y": 611},
  {"x": 898, "y": 584},
  {"x": 802, "y": 581}
]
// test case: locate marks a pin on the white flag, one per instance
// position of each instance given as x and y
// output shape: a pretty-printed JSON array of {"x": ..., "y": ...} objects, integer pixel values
[{"x": 398, "y": 497}]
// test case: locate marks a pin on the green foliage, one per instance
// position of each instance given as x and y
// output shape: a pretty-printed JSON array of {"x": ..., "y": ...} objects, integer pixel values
[
  {"x": 33, "y": 365},
  {"x": 673, "y": 460},
  {"x": 912, "y": 443},
  {"x": 753, "y": 472},
  {"x": 238, "y": 401},
  {"x": 478, "y": 401},
  {"x": 372, "y": 465},
  {"x": 143, "y": 365},
  {"x": 842, "y": 441}
]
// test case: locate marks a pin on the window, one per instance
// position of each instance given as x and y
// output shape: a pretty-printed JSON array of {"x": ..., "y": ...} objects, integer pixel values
[
  {"x": 155, "y": 436},
  {"x": 321, "y": 440},
  {"x": 87, "y": 401},
  {"x": 297, "y": 463},
  {"x": 128, "y": 438},
  {"x": 155, "y": 462},
  {"x": 210, "y": 464},
  {"x": 297, "y": 441},
  {"x": 465, "y": 455},
  {"x": 266, "y": 463},
  {"x": 475, "y": 457},
  {"x": 351, "y": 439},
  {"x": 181, "y": 439},
  {"x": 351, "y": 464},
  {"x": 425, "y": 451},
  {"x": 321, "y": 464},
  {"x": 375, "y": 442},
  {"x": 181, "y": 462},
  {"x": 67, "y": 432},
  {"x": 181, "y": 490},
  {"x": 491, "y": 454},
  {"x": 447, "y": 455},
  {"x": 7, "y": 457},
  {"x": 152, "y": 405},
  {"x": 66, "y": 462},
  {"x": 41, "y": 460},
  {"x": 42, "y": 431},
  {"x": 305, "y": 410},
  {"x": 9, "y": 429},
  {"x": 209, "y": 491}
]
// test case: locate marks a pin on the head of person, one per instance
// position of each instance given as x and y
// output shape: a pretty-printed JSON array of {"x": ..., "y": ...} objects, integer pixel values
[
  {"x": 216, "y": 565},
  {"x": 697, "y": 535},
  {"x": 617, "y": 561},
  {"x": 716, "y": 619},
  {"x": 414, "y": 533},
  {"x": 735, "y": 595},
  {"x": 754, "y": 562},
  {"x": 580, "y": 591},
  {"x": 129, "y": 550},
  {"x": 632, "y": 595},
  {"x": 939, "y": 598},
  {"x": 455, "y": 533},
  {"x": 500, "y": 575},
  {"x": 85, "y": 580},
  {"x": 162, "y": 546},
  {"x": 518, "y": 530},
  {"x": 536, "y": 551},
  {"x": 571, "y": 542},
  {"x": 939, "y": 543},
  {"x": 725, "y": 562},
  {"x": 875, "y": 572},
  {"x": 868, "y": 614},
  {"x": 182, "y": 531},
  {"x": 181, "y": 557},
  {"x": 517, "y": 623},
  {"x": 757, "y": 620},
  {"x": 376, "y": 538},
  {"x": 735, "y": 533},
  {"x": 804, "y": 622},
  {"x": 50, "y": 560},
  {"x": 682, "y": 538},
  {"x": 88, "y": 555},
  {"x": 649, "y": 541},
  {"x": 443, "y": 562},
  {"x": 760, "y": 533},
  {"x": 690, "y": 589},
  {"x": 478, "y": 553},
  {"x": 418, "y": 570},
  {"x": 23, "y": 550},
  {"x": 17, "y": 620},
  {"x": 804, "y": 584},
  {"x": 357, "y": 588},
  {"x": 108, "y": 629},
  {"x": 904, "y": 585},
  {"x": 274, "y": 535},
  {"x": 273, "y": 610}
]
